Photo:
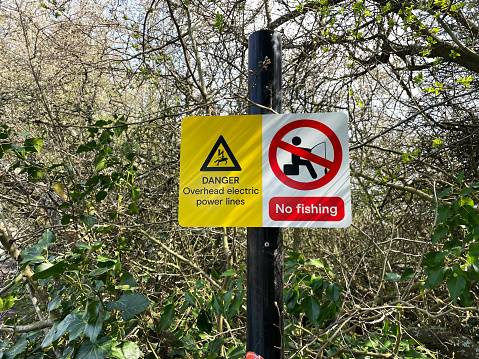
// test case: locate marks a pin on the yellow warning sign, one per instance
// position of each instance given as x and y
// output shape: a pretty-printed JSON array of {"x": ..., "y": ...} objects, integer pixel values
[
  {"x": 221, "y": 158},
  {"x": 221, "y": 171}
]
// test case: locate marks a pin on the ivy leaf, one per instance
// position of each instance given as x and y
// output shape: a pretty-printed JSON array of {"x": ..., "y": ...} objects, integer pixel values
[
  {"x": 126, "y": 350},
  {"x": 7, "y": 301},
  {"x": 456, "y": 286},
  {"x": 443, "y": 214},
  {"x": 89, "y": 221},
  {"x": 135, "y": 192},
  {"x": 92, "y": 330},
  {"x": 131, "y": 304},
  {"x": 203, "y": 323},
  {"x": 315, "y": 263},
  {"x": 33, "y": 254},
  {"x": 392, "y": 277},
  {"x": 333, "y": 291},
  {"x": 100, "y": 196},
  {"x": 467, "y": 191},
  {"x": 166, "y": 317},
  {"x": 434, "y": 275},
  {"x": 18, "y": 348},
  {"x": 33, "y": 145},
  {"x": 76, "y": 326},
  {"x": 439, "y": 232},
  {"x": 228, "y": 273},
  {"x": 311, "y": 308},
  {"x": 215, "y": 274},
  {"x": 47, "y": 270},
  {"x": 48, "y": 340},
  {"x": 434, "y": 259},
  {"x": 408, "y": 274},
  {"x": 474, "y": 250},
  {"x": 216, "y": 345},
  {"x": 133, "y": 208},
  {"x": 99, "y": 350}
]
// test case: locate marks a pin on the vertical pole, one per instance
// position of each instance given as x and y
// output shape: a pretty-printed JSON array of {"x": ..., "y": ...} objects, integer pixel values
[{"x": 265, "y": 245}]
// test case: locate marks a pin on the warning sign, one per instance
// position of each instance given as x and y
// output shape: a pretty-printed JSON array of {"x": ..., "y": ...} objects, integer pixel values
[
  {"x": 220, "y": 172},
  {"x": 221, "y": 158},
  {"x": 265, "y": 171}
]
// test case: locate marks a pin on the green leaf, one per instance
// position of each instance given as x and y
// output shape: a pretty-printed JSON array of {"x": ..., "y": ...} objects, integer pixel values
[
  {"x": 35, "y": 173},
  {"x": 215, "y": 274},
  {"x": 135, "y": 192},
  {"x": 126, "y": 350},
  {"x": 442, "y": 214},
  {"x": 62, "y": 327},
  {"x": 333, "y": 291},
  {"x": 392, "y": 277},
  {"x": 54, "y": 303},
  {"x": 315, "y": 263},
  {"x": 18, "y": 348},
  {"x": 166, "y": 317},
  {"x": 98, "y": 271},
  {"x": 88, "y": 220},
  {"x": 466, "y": 201},
  {"x": 47, "y": 270},
  {"x": 456, "y": 286},
  {"x": 469, "y": 215},
  {"x": 100, "y": 196},
  {"x": 33, "y": 254},
  {"x": 408, "y": 274},
  {"x": 439, "y": 232},
  {"x": 99, "y": 350},
  {"x": 92, "y": 330},
  {"x": 86, "y": 147},
  {"x": 228, "y": 273},
  {"x": 467, "y": 191},
  {"x": 434, "y": 259},
  {"x": 216, "y": 345},
  {"x": 66, "y": 218},
  {"x": 434, "y": 276},
  {"x": 100, "y": 163},
  {"x": 76, "y": 325},
  {"x": 474, "y": 250},
  {"x": 460, "y": 177},
  {"x": 311, "y": 308},
  {"x": 203, "y": 323},
  {"x": 131, "y": 304},
  {"x": 237, "y": 352},
  {"x": 7, "y": 301},
  {"x": 48, "y": 340},
  {"x": 127, "y": 280},
  {"x": 445, "y": 192},
  {"x": 133, "y": 208},
  {"x": 33, "y": 145}
]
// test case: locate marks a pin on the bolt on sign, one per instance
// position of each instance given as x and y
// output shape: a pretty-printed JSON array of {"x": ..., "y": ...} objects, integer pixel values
[{"x": 265, "y": 171}]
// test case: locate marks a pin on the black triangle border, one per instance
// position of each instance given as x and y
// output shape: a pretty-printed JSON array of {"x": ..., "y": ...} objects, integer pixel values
[{"x": 220, "y": 141}]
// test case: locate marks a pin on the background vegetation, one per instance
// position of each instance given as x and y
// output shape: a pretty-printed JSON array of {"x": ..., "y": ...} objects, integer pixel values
[{"x": 95, "y": 265}]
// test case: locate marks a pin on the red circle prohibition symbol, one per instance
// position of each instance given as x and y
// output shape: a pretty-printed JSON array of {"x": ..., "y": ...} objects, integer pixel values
[{"x": 332, "y": 166}]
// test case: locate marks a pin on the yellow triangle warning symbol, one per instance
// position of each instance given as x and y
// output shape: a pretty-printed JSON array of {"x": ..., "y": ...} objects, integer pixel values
[{"x": 221, "y": 158}]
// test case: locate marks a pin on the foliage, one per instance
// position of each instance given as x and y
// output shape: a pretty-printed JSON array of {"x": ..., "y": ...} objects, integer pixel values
[{"x": 83, "y": 286}]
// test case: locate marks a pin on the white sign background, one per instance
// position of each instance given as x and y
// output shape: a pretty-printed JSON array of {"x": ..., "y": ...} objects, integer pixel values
[{"x": 320, "y": 145}]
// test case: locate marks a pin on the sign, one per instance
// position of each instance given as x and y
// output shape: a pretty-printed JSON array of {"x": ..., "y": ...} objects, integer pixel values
[{"x": 265, "y": 171}]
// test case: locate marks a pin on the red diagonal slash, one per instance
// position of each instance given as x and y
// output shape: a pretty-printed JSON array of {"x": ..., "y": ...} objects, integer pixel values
[
  {"x": 332, "y": 166},
  {"x": 305, "y": 154}
]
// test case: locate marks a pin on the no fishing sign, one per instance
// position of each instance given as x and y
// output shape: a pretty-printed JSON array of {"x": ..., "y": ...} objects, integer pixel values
[{"x": 265, "y": 171}]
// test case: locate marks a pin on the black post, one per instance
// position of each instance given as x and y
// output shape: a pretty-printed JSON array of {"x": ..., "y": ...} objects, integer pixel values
[{"x": 265, "y": 245}]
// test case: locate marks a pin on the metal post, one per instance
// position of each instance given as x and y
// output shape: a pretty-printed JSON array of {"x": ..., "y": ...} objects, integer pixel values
[{"x": 265, "y": 245}]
